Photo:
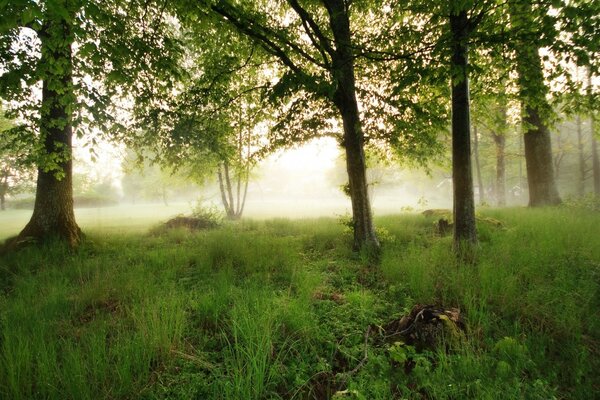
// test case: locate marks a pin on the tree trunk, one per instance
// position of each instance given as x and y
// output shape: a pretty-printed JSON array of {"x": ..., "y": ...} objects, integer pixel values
[
  {"x": 353, "y": 143},
  {"x": 53, "y": 214},
  {"x": 231, "y": 212},
  {"x": 478, "y": 166},
  {"x": 226, "y": 205},
  {"x": 521, "y": 156},
  {"x": 538, "y": 146},
  {"x": 581, "y": 183},
  {"x": 3, "y": 191},
  {"x": 595, "y": 159},
  {"x": 465, "y": 230},
  {"x": 500, "y": 141}
]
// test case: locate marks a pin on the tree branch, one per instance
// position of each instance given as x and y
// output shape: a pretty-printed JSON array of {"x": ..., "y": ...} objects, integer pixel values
[{"x": 318, "y": 39}]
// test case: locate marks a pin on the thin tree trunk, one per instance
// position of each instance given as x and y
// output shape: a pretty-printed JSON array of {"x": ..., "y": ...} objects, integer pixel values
[
  {"x": 223, "y": 191},
  {"x": 53, "y": 214},
  {"x": 243, "y": 202},
  {"x": 477, "y": 165},
  {"x": 538, "y": 146},
  {"x": 231, "y": 211},
  {"x": 521, "y": 157},
  {"x": 595, "y": 159},
  {"x": 239, "y": 174},
  {"x": 581, "y": 184},
  {"x": 500, "y": 141},
  {"x": 246, "y": 180},
  {"x": 465, "y": 231},
  {"x": 345, "y": 101},
  {"x": 3, "y": 191}
]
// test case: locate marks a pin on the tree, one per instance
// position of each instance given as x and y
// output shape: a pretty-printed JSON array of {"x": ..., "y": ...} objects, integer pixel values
[
  {"x": 241, "y": 161},
  {"x": 60, "y": 44},
  {"x": 461, "y": 28},
  {"x": 535, "y": 108},
  {"x": 331, "y": 52}
]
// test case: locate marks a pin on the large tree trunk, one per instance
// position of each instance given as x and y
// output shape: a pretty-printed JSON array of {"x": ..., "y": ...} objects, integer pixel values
[
  {"x": 53, "y": 214},
  {"x": 465, "y": 231},
  {"x": 345, "y": 101},
  {"x": 533, "y": 90},
  {"x": 538, "y": 160},
  {"x": 2, "y": 201},
  {"x": 478, "y": 166}
]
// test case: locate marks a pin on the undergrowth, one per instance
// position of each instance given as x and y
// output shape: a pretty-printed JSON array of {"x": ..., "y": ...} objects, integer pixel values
[{"x": 283, "y": 309}]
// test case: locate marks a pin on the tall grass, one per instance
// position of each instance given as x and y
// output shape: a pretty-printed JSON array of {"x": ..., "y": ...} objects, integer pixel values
[{"x": 283, "y": 309}]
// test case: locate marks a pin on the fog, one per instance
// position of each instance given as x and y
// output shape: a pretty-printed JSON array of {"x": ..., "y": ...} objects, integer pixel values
[{"x": 306, "y": 182}]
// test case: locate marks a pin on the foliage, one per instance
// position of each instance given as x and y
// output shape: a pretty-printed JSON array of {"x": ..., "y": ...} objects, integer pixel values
[
  {"x": 115, "y": 57},
  {"x": 208, "y": 213},
  {"x": 16, "y": 173},
  {"x": 588, "y": 202}
]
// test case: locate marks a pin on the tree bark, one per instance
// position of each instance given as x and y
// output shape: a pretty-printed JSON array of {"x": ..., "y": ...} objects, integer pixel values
[
  {"x": 581, "y": 183},
  {"x": 500, "y": 142},
  {"x": 538, "y": 146},
  {"x": 3, "y": 191},
  {"x": 223, "y": 191},
  {"x": 53, "y": 214},
  {"x": 353, "y": 143},
  {"x": 465, "y": 231},
  {"x": 595, "y": 159},
  {"x": 478, "y": 166}
]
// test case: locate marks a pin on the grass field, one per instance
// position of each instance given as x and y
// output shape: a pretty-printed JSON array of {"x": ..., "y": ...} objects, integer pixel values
[
  {"x": 282, "y": 309},
  {"x": 122, "y": 218}
]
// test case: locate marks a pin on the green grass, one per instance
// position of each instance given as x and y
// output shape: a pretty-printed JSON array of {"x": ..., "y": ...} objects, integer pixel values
[
  {"x": 279, "y": 309},
  {"x": 104, "y": 220}
]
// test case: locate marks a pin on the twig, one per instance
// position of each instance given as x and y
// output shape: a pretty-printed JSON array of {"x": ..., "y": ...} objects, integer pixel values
[{"x": 366, "y": 355}]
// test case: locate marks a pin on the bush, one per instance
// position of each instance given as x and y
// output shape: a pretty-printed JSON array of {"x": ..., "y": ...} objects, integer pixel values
[{"x": 588, "y": 202}]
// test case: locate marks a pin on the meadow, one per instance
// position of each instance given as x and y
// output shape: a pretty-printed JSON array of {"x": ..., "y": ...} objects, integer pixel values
[{"x": 283, "y": 309}]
